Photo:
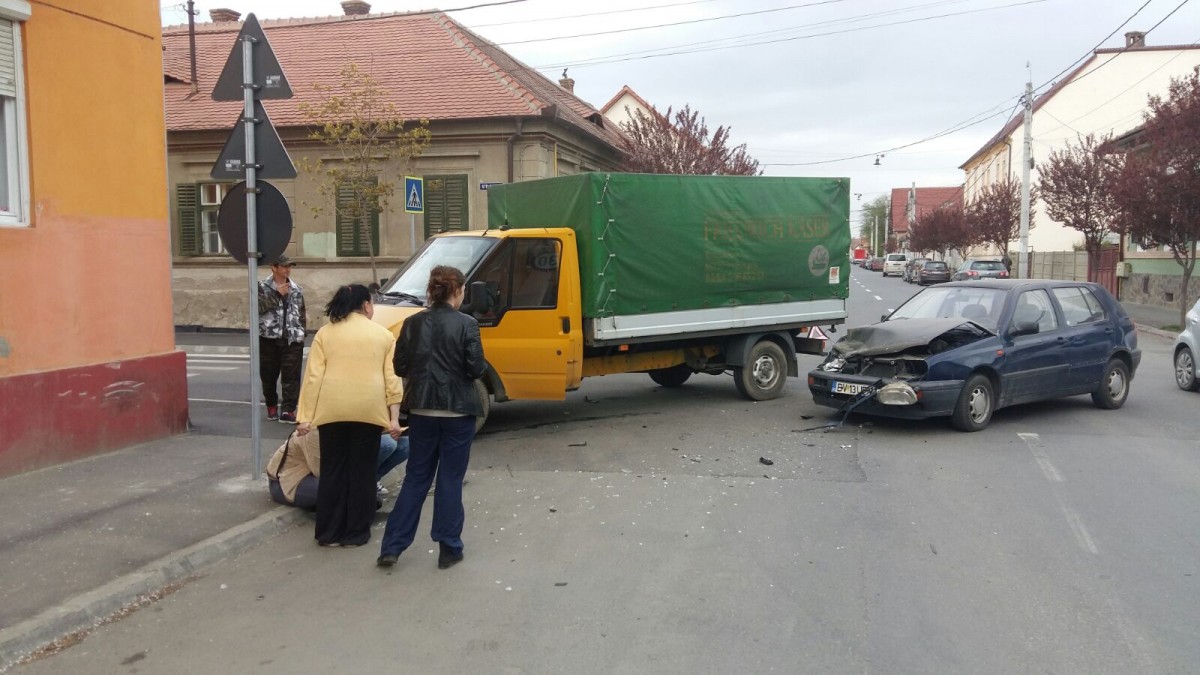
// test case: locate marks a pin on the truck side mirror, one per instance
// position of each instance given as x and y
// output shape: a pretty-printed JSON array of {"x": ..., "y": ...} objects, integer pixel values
[{"x": 481, "y": 299}]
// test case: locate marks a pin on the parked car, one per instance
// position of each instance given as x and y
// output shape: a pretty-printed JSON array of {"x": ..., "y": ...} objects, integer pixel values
[
  {"x": 875, "y": 265},
  {"x": 980, "y": 268},
  {"x": 932, "y": 272},
  {"x": 966, "y": 349},
  {"x": 893, "y": 263},
  {"x": 1186, "y": 350},
  {"x": 910, "y": 269}
]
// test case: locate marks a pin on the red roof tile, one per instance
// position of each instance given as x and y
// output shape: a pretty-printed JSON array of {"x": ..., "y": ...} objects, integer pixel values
[
  {"x": 432, "y": 67},
  {"x": 928, "y": 199}
]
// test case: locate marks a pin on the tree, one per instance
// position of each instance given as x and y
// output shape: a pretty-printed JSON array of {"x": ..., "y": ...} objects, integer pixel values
[
  {"x": 680, "y": 143},
  {"x": 355, "y": 119},
  {"x": 939, "y": 230},
  {"x": 874, "y": 215},
  {"x": 994, "y": 216},
  {"x": 1157, "y": 193},
  {"x": 1076, "y": 186}
]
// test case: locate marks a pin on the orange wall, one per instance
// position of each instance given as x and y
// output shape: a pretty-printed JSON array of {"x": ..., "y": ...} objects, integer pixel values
[{"x": 90, "y": 280}]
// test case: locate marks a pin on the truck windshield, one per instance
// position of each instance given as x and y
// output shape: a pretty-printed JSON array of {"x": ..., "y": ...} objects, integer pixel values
[{"x": 463, "y": 253}]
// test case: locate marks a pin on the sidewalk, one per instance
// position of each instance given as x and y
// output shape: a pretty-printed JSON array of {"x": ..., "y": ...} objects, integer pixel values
[
  {"x": 83, "y": 539},
  {"x": 1151, "y": 319}
]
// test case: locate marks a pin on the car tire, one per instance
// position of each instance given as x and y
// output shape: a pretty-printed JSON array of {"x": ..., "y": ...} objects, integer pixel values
[
  {"x": 671, "y": 377},
  {"x": 765, "y": 373},
  {"x": 975, "y": 405},
  {"x": 1114, "y": 386},
  {"x": 1185, "y": 370}
]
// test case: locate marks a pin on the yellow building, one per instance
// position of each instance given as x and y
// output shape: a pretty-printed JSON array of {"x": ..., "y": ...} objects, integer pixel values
[{"x": 87, "y": 353}]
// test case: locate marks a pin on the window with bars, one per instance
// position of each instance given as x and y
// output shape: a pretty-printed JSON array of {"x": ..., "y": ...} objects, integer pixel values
[
  {"x": 197, "y": 205},
  {"x": 446, "y": 207},
  {"x": 352, "y": 232},
  {"x": 14, "y": 172}
]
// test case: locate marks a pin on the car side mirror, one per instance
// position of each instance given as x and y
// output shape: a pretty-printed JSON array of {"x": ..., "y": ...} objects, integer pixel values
[
  {"x": 481, "y": 299},
  {"x": 1023, "y": 328}
]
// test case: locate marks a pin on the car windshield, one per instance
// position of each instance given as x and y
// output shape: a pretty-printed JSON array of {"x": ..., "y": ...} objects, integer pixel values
[
  {"x": 987, "y": 265},
  {"x": 463, "y": 253},
  {"x": 935, "y": 265},
  {"x": 981, "y": 305}
]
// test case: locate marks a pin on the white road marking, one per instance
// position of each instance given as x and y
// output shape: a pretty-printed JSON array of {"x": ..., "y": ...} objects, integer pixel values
[
  {"x": 1052, "y": 473},
  {"x": 191, "y": 367},
  {"x": 218, "y": 357},
  {"x": 1073, "y": 521},
  {"x": 216, "y": 400},
  {"x": 877, "y": 298}
]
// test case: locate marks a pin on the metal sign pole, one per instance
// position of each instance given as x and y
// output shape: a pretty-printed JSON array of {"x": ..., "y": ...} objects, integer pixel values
[
  {"x": 252, "y": 255},
  {"x": 412, "y": 235}
]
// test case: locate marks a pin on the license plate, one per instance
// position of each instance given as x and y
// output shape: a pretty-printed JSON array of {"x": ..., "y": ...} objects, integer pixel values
[{"x": 848, "y": 388}]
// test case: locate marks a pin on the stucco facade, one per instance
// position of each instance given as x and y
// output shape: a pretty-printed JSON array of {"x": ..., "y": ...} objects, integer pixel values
[{"x": 87, "y": 351}]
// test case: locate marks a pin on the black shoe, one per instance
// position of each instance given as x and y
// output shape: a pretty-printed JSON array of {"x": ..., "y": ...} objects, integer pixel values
[
  {"x": 448, "y": 557},
  {"x": 386, "y": 560}
]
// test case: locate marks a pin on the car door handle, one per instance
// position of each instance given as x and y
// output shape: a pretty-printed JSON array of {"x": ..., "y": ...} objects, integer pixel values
[{"x": 566, "y": 325}]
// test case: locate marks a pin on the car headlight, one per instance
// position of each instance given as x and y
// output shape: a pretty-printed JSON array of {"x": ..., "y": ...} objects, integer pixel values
[{"x": 896, "y": 393}]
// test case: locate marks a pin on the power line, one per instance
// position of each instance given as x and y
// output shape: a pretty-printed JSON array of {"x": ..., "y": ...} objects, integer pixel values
[
  {"x": 1092, "y": 51},
  {"x": 707, "y": 19},
  {"x": 591, "y": 14}
]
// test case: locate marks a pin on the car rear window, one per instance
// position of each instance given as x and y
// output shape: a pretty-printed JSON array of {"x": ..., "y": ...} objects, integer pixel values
[
  {"x": 987, "y": 265},
  {"x": 935, "y": 265},
  {"x": 896, "y": 256}
]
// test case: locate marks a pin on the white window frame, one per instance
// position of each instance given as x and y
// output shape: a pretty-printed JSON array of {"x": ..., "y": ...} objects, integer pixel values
[{"x": 16, "y": 131}]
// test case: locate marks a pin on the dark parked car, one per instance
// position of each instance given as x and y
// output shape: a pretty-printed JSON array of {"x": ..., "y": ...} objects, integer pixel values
[
  {"x": 966, "y": 349},
  {"x": 875, "y": 265},
  {"x": 980, "y": 268},
  {"x": 911, "y": 267},
  {"x": 932, "y": 272}
]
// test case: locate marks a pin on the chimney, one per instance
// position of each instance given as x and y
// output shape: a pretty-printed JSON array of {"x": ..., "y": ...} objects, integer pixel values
[
  {"x": 1135, "y": 39},
  {"x": 223, "y": 15},
  {"x": 567, "y": 83},
  {"x": 355, "y": 7}
]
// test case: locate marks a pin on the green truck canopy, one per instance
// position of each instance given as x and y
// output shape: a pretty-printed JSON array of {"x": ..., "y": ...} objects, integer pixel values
[{"x": 658, "y": 243}]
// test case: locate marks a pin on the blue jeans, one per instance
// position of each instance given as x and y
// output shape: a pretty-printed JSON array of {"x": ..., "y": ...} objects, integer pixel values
[
  {"x": 441, "y": 448},
  {"x": 392, "y": 454}
]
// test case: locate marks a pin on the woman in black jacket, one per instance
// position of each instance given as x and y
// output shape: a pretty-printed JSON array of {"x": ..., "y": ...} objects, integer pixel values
[{"x": 439, "y": 355}]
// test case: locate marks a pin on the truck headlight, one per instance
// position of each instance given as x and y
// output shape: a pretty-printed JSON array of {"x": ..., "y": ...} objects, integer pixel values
[{"x": 896, "y": 393}]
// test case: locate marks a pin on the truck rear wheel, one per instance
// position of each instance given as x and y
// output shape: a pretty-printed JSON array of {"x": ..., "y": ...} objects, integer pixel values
[
  {"x": 674, "y": 376},
  {"x": 765, "y": 373},
  {"x": 485, "y": 401}
]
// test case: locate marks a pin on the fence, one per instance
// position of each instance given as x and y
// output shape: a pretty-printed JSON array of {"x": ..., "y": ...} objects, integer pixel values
[{"x": 1065, "y": 265}]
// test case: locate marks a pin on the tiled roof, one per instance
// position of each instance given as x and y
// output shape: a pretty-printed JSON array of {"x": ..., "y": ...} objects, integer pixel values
[
  {"x": 626, "y": 90},
  {"x": 432, "y": 68},
  {"x": 928, "y": 199},
  {"x": 1040, "y": 101}
]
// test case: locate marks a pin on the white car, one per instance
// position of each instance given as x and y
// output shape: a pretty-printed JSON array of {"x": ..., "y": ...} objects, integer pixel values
[
  {"x": 894, "y": 264},
  {"x": 1185, "y": 351}
]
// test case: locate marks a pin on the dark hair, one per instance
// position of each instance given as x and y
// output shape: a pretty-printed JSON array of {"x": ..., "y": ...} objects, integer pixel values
[
  {"x": 444, "y": 282},
  {"x": 346, "y": 299}
]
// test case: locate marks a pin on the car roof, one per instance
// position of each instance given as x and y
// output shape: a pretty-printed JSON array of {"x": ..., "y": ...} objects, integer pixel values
[{"x": 1010, "y": 284}]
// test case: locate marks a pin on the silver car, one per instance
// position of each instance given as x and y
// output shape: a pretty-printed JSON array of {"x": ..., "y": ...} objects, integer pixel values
[{"x": 1186, "y": 350}]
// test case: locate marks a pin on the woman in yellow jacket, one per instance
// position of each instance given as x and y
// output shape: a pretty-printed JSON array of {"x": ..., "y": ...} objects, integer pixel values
[{"x": 350, "y": 392}]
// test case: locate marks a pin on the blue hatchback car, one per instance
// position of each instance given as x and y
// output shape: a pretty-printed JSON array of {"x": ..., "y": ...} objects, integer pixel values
[{"x": 966, "y": 349}]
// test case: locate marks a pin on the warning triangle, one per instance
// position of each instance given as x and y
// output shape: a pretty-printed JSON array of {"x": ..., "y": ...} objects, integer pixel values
[
  {"x": 266, "y": 72},
  {"x": 414, "y": 200},
  {"x": 269, "y": 153},
  {"x": 817, "y": 334}
]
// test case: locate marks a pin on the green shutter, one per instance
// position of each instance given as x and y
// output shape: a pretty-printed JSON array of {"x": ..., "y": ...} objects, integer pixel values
[
  {"x": 350, "y": 240},
  {"x": 446, "y": 204},
  {"x": 186, "y": 202}
]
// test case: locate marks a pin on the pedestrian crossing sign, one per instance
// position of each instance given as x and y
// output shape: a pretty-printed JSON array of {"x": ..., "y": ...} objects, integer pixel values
[{"x": 414, "y": 194}]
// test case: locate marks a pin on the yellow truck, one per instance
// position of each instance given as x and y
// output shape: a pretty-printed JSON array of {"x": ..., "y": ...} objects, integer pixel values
[{"x": 597, "y": 274}]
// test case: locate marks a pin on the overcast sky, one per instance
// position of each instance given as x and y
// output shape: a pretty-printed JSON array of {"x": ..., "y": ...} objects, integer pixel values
[{"x": 808, "y": 80}]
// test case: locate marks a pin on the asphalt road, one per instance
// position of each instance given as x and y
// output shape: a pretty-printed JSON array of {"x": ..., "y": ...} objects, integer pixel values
[{"x": 636, "y": 529}]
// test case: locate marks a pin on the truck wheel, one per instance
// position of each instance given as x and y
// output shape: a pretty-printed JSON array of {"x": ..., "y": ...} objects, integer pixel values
[
  {"x": 674, "y": 376},
  {"x": 765, "y": 372},
  {"x": 485, "y": 401}
]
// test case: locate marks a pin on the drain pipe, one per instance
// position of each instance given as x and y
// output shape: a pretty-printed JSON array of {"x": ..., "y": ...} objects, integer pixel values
[{"x": 511, "y": 140}]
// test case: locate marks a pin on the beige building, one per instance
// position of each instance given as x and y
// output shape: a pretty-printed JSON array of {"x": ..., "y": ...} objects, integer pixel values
[
  {"x": 492, "y": 118},
  {"x": 621, "y": 107},
  {"x": 1106, "y": 94}
]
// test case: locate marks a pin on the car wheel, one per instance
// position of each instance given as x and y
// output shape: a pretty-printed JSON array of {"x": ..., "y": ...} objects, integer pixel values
[
  {"x": 1114, "y": 386},
  {"x": 674, "y": 376},
  {"x": 1185, "y": 370},
  {"x": 765, "y": 373},
  {"x": 975, "y": 404}
]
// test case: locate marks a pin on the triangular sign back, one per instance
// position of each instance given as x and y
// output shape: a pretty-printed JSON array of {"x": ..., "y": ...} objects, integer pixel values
[
  {"x": 269, "y": 152},
  {"x": 267, "y": 73}
]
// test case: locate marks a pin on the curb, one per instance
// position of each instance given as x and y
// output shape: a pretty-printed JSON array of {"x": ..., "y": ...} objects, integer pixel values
[
  {"x": 1156, "y": 331},
  {"x": 89, "y": 610}
]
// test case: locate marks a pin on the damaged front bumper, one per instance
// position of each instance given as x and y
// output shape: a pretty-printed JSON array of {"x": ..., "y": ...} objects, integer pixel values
[{"x": 903, "y": 399}]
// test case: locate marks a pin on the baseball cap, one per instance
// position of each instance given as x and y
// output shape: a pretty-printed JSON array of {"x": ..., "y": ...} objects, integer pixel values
[{"x": 284, "y": 261}]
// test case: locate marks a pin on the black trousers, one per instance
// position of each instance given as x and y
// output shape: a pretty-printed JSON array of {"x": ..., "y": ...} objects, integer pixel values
[
  {"x": 280, "y": 362},
  {"x": 346, "y": 491}
]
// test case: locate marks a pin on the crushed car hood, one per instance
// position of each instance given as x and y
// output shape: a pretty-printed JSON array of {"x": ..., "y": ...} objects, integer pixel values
[{"x": 890, "y": 337}]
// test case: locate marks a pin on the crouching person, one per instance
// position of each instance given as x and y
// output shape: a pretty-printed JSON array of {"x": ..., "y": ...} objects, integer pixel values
[{"x": 293, "y": 471}]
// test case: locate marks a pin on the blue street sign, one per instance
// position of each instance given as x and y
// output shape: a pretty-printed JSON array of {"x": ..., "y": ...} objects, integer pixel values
[{"x": 414, "y": 194}]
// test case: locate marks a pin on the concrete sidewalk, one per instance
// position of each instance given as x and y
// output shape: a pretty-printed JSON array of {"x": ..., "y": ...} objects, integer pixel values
[{"x": 81, "y": 540}]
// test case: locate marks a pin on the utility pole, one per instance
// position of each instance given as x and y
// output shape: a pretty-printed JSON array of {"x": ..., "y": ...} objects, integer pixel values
[
  {"x": 874, "y": 233},
  {"x": 1026, "y": 165}
]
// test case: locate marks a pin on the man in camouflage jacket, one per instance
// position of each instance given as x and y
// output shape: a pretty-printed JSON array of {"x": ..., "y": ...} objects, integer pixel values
[{"x": 282, "y": 320}]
